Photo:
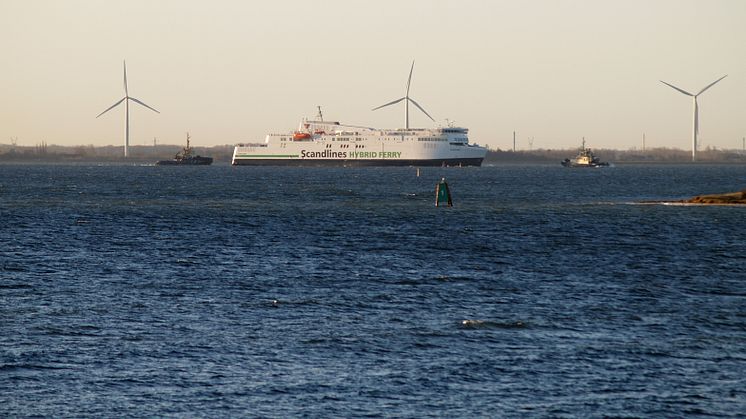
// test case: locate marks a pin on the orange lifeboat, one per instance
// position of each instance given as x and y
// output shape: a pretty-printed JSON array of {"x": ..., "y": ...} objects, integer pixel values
[{"x": 301, "y": 136}]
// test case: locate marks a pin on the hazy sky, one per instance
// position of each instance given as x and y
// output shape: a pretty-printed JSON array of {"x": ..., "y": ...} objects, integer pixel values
[{"x": 232, "y": 71}]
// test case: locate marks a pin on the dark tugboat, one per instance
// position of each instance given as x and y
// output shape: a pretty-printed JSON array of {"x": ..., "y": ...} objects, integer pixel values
[
  {"x": 186, "y": 158},
  {"x": 585, "y": 158}
]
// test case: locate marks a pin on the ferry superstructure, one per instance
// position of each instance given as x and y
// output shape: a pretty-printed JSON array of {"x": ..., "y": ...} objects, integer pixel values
[
  {"x": 325, "y": 143},
  {"x": 330, "y": 143}
]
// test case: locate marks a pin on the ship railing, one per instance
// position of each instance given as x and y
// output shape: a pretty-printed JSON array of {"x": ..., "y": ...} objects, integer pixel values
[{"x": 251, "y": 145}]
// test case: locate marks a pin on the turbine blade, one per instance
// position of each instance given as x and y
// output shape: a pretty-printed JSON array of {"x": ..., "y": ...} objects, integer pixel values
[
  {"x": 680, "y": 90},
  {"x": 133, "y": 99},
  {"x": 126, "y": 93},
  {"x": 420, "y": 107},
  {"x": 112, "y": 106},
  {"x": 409, "y": 80},
  {"x": 390, "y": 103},
  {"x": 696, "y": 116},
  {"x": 711, "y": 84}
]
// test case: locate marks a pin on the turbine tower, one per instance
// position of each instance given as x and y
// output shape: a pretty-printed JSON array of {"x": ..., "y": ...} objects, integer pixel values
[
  {"x": 126, "y": 99},
  {"x": 695, "y": 117},
  {"x": 406, "y": 103}
]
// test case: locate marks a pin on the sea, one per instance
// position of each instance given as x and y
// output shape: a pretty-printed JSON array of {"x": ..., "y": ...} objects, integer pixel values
[{"x": 220, "y": 291}]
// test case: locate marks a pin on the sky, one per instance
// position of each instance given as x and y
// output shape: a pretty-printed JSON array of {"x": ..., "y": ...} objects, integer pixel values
[{"x": 553, "y": 71}]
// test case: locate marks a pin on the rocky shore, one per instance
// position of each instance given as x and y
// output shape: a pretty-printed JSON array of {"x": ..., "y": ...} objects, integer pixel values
[
  {"x": 721, "y": 199},
  {"x": 731, "y": 198}
]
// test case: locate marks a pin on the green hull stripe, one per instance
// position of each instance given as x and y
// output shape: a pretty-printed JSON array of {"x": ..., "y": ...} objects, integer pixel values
[{"x": 260, "y": 156}]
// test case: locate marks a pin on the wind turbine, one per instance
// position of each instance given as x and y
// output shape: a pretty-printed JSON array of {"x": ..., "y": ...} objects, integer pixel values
[
  {"x": 695, "y": 117},
  {"x": 126, "y": 99},
  {"x": 406, "y": 103}
]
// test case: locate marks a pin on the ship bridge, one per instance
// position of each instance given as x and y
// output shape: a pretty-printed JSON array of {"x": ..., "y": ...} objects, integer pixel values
[
  {"x": 455, "y": 135},
  {"x": 454, "y": 130}
]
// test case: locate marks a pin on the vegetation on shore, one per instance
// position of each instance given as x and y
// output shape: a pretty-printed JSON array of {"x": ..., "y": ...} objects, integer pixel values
[
  {"x": 655, "y": 155},
  {"x": 138, "y": 154},
  {"x": 223, "y": 153}
]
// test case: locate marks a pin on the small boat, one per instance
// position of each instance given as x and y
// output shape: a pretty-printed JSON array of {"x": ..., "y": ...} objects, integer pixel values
[
  {"x": 186, "y": 158},
  {"x": 585, "y": 158}
]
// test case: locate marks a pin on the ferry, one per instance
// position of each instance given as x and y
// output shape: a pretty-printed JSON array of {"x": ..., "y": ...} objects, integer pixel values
[
  {"x": 330, "y": 143},
  {"x": 318, "y": 142}
]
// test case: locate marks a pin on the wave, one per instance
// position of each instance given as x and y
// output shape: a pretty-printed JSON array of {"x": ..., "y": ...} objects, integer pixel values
[{"x": 491, "y": 324}]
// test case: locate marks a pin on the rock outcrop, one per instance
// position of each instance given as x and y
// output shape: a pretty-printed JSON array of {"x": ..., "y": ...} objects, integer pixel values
[{"x": 723, "y": 198}]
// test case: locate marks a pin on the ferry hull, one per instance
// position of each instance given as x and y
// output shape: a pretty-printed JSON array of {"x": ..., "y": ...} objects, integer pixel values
[{"x": 477, "y": 161}]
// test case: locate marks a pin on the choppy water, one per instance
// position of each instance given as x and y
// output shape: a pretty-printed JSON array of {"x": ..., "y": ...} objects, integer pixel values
[{"x": 274, "y": 292}]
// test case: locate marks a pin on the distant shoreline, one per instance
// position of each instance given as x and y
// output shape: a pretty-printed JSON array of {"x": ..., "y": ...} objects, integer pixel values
[
  {"x": 619, "y": 157},
  {"x": 223, "y": 154}
]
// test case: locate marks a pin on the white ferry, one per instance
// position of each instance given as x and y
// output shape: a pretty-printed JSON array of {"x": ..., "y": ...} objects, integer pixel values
[
  {"x": 322, "y": 143},
  {"x": 330, "y": 143}
]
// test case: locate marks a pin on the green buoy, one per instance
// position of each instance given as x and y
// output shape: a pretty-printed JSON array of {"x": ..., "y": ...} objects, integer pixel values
[{"x": 443, "y": 194}]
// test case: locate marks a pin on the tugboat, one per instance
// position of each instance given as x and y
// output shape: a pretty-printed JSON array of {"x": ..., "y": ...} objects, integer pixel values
[
  {"x": 585, "y": 158},
  {"x": 186, "y": 158}
]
